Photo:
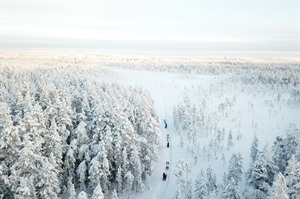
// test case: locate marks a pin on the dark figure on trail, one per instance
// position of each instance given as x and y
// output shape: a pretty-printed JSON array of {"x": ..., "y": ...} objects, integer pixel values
[
  {"x": 167, "y": 165},
  {"x": 168, "y": 144},
  {"x": 164, "y": 176},
  {"x": 166, "y": 125}
]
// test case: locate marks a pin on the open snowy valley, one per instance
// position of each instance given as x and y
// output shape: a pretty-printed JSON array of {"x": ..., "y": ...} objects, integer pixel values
[{"x": 107, "y": 126}]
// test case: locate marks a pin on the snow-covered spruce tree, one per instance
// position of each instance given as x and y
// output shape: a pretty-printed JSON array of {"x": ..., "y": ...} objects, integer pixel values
[
  {"x": 64, "y": 117},
  {"x": 119, "y": 180},
  {"x": 97, "y": 193},
  {"x": 135, "y": 167},
  {"x": 129, "y": 179},
  {"x": 69, "y": 165},
  {"x": 53, "y": 147},
  {"x": 82, "y": 195},
  {"x": 48, "y": 181},
  {"x": 258, "y": 179},
  {"x": 30, "y": 159},
  {"x": 284, "y": 148},
  {"x": 114, "y": 194},
  {"x": 71, "y": 189},
  {"x": 292, "y": 173},
  {"x": 9, "y": 148},
  {"x": 279, "y": 188},
  {"x": 271, "y": 166},
  {"x": 178, "y": 193},
  {"x": 211, "y": 181},
  {"x": 231, "y": 190},
  {"x": 201, "y": 189},
  {"x": 254, "y": 149},
  {"x": 254, "y": 154},
  {"x": 182, "y": 170},
  {"x": 80, "y": 134},
  {"x": 229, "y": 140},
  {"x": 189, "y": 190},
  {"x": 81, "y": 173},
  {"x": 261, "y": 176},
  {"x": 235, "y": 168},
  {"x": 25, "y": 190},
  {"x": 99, "y": 169},
  {"x": 148, "y": 146}
]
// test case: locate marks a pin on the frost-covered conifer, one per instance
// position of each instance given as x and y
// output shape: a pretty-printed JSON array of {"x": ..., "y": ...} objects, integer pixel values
[
  {"x": 82, "y": 174},
  {"x": 129, "y": 179},
  {"x": 97, "y": 193},
  {"x": 48, "y": 183},
  {"x": 254, "y": 149},
  {"x": 82, "y": 195},
  {"x": 279, "y": 189},
  {"x": 231, "y": 190},
  {"x": 119, "y": 179},
  {"x": 235, "y": 168},
  {"x": 293, "y": 177},
  {"x": 229, "y": 140},
  {"x": 135, "y": 166},
  {"x": 201, "y": 189},
  {"x": 211, "y": 180},
  {"x": 189, "y": 190},
  {"x": 71, "y": 189},
  {"x": 114, "y": 194}
]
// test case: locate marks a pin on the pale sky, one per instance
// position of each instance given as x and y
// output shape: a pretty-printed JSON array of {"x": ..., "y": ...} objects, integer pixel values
[{"x": 151, "y": 25}]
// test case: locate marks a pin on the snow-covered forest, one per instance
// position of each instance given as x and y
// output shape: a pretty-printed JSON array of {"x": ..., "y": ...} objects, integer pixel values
[
  {"x": 92, "y": 126},
  {"x": 61, "y": 132}
]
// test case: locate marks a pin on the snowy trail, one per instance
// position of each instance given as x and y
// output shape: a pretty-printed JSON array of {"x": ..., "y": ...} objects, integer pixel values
[{"x": 162, "y": 192}]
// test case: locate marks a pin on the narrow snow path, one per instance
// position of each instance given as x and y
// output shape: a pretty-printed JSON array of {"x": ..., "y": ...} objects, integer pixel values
[{"x": 161, "y": 194}]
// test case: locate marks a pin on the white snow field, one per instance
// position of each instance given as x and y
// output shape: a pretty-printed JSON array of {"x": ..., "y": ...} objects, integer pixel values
[
  {"x": 213, "y": 107},
  {"x": 252, "y": 112}
]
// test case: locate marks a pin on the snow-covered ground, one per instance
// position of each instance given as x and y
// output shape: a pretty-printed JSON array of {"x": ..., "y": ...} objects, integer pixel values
[
  {"x": 252, "y": 112},
  {"x": 239, "y": 96}
]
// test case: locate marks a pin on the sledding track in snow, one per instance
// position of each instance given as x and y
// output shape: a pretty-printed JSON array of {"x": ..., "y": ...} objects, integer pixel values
[{"x": 165, "y": 185}]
